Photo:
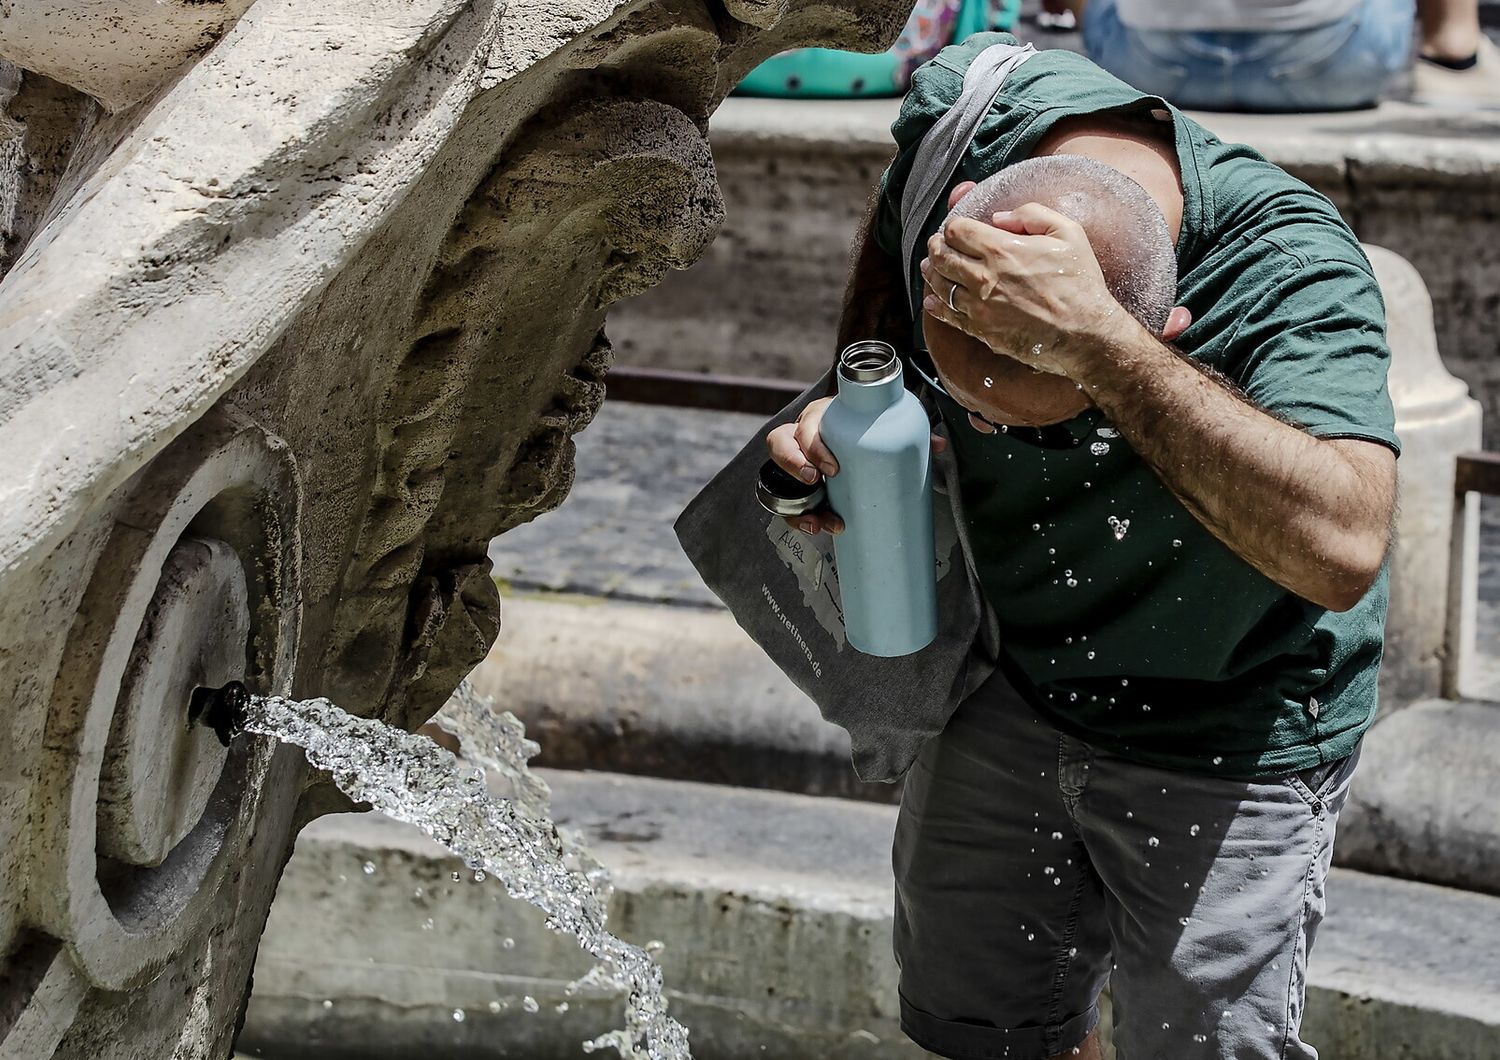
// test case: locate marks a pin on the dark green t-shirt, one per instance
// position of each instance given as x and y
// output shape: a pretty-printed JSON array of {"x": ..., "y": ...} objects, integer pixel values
[{"x": 1123, "y": 619}]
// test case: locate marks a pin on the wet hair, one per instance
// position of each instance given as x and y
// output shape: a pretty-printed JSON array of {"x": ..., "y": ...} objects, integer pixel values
[{"x": 1125, "y": 226}]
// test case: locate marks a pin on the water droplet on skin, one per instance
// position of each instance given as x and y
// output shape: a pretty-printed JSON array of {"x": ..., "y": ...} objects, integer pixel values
[
  {"x": 562, "y": 1006},
  {"x": 427, "y": 925},
  {"x": 988, "y": 381},
  {"x": 494, "y": 1006},
  {"x": 458, "y": 1015},
  {"x": 327, "y": 1003},
  {"x": 1036, "y": 351},
  {"x": 456, "y": 877},
  {"x": 529, "y": 1004},
  {"x": 479, "y": 876},
  {"x": 507, "y": 944},
  {"x": 1099, "y": 448},
  {"x": 369, "y": 868}
]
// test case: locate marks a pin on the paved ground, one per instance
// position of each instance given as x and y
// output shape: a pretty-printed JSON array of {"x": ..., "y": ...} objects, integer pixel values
[{"x": 638, "y": 465}]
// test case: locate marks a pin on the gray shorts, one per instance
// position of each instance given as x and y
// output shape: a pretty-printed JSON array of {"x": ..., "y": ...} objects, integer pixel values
[{"x": 1031, "y": 868}]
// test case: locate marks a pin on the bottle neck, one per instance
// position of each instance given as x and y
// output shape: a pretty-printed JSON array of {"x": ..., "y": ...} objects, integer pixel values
[{"x": 870, "y": 397}]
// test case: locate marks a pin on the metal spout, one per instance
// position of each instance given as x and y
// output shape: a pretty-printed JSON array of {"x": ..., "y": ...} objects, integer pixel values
[{"x": 220, "y": 709}]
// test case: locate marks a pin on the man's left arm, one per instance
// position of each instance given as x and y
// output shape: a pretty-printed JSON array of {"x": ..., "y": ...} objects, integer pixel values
[{"x": 1312, "y": 514}]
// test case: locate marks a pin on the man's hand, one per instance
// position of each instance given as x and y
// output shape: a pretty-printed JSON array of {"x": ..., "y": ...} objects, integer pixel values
[
  {"x": 1028, "y": 286},
  {"x": 798, "y": 450}
]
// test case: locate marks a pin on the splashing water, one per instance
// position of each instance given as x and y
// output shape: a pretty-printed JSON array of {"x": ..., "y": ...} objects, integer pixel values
[{"x": 412, "y": 779}]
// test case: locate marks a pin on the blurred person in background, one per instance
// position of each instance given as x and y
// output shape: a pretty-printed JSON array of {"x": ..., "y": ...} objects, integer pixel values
[
  {"x": 1257, "y": 55},
  {"x": 1457, "y": 64}
]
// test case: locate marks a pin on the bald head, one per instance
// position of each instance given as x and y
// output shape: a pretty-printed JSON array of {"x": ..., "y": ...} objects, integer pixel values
[{"x": 1124, "y": 225}]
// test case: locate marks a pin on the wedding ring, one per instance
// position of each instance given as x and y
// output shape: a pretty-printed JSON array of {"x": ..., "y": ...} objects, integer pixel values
[{"x": 951, "y": 292}]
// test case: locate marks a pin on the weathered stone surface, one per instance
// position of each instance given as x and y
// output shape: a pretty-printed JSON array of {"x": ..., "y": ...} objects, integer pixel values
[
  {"x": 328, "y": 301},
  {"x": 1426, "y": 804},
  {"x": 775, "y": 914},
  {"x": 1437, "y": 420},
  {"x": 115, "y": 50}
]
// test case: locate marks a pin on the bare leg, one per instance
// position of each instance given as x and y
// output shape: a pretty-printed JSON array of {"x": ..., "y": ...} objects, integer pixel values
[{"x": 1450, "y": 28}]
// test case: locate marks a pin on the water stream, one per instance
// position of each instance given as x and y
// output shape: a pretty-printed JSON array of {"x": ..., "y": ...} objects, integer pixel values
[{"x": 412, "y": 779}]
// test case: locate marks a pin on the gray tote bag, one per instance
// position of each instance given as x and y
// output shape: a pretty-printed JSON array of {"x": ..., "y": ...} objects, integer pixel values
[{"x": 780, "y": 584}]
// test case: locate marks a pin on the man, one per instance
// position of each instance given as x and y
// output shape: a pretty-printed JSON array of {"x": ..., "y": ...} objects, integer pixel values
[{"x": 1188, "y": 577}]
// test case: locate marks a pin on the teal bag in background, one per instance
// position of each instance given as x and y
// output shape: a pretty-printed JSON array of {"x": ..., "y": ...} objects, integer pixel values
[{"x": 824, "y": 73}]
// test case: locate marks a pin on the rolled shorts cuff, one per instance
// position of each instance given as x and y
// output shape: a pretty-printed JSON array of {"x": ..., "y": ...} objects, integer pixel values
[{"x": 972, "y": 1041}]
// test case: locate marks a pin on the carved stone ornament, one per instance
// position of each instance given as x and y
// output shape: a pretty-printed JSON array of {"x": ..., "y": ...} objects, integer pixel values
[{"x": 302, "y": 304}]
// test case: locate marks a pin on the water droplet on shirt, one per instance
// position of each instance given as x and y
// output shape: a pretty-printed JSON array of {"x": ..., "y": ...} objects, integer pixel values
[
  {"x": 1072, "y": 583},
  {"x": 1119, "y": 526},
  {"x": 1099, "y": 448},
  {"x": 1091, "y": 655},
  {"x": 1176, "y": 542},
  {"x": 1124, "y": 681},
  {"x": 1048, "y": 871},
  {"x": 1193, "y": 830},
  {"x": 1218, "y": 760},
  {"x": 327, "y": 1003},
  {"x": 369, "y": 868},
  {"x": 529, "y": 1004},
  {"x": 508, "y": 943},
  {"x": 1153, "y": 842},
  {"x": 1145, "y": 708},
  {"x": 495, "y": 1006},
  {"x": 1056, "y": 835},
  {"x": 458, "y": 1015}
]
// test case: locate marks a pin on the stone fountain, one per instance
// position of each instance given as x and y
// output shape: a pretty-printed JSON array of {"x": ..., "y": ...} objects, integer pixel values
[{"x": 301, "y": 307}]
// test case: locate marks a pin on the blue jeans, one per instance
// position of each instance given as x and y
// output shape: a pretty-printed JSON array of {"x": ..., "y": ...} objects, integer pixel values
[{"x": 1341, "y": 66}]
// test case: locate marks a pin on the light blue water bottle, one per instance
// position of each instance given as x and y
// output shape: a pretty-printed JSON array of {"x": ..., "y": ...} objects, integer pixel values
[{"x": 887, "y": 570}]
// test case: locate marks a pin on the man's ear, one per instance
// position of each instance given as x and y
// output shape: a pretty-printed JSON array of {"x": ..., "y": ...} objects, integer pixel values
[
  {"x": 959, "y": 191},
  {"x": 1177, "y": 322}
]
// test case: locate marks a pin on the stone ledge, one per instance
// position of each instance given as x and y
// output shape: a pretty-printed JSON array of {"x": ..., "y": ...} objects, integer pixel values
[
  {"x": 1403, "y": 140},
  {"x": 775, "y": 912}
]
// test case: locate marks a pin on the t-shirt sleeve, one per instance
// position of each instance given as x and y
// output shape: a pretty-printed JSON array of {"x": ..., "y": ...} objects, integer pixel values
[{"x": 1313, "y": 351}]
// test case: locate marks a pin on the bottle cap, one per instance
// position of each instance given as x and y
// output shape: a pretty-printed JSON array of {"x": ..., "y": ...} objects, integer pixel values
[{"x": 782, "y": 494}]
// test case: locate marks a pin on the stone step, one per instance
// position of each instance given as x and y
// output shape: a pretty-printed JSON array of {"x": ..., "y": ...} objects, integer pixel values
[{"x": 774, "y": 911}]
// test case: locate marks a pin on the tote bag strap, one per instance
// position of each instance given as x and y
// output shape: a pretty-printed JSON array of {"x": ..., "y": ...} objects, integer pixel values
[{"x": 944, "y": 145}]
